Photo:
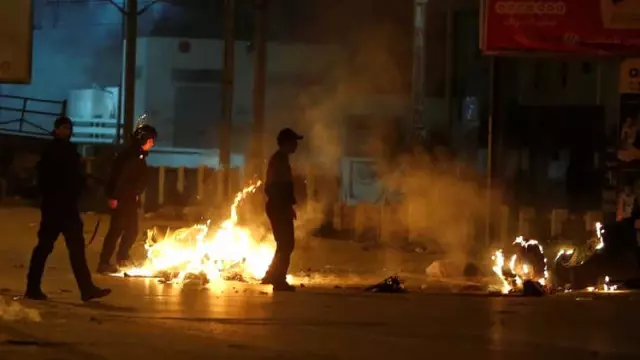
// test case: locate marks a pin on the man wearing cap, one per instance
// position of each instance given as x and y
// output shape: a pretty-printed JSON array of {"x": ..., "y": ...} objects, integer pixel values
[
  {"x": 61, "y": 182},
  {"x": 279, "y": 208}
]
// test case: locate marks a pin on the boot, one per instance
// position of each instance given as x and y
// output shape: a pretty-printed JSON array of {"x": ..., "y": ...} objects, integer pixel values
[
  {"x": 107, "y": 269},
  {"x": 94, "y": 293},
  {"x": 36, "y": 294},
  {"x": 266, "y": 280},
  {"x": 283, "y": 287}
]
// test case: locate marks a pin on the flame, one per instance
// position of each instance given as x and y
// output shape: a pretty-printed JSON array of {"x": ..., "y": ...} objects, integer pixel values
[
  {"x": 498, "y": 260},
  {"x": 518, "y": 270},
  {"x": 575, "y": 257},
  {"x": 607, "y": 287},
  {"x": 210, "y": 253},
  {"x": 599, "y": 232}
]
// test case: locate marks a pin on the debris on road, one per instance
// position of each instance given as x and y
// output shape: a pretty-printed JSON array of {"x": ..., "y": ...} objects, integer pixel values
[
  {"x": 532, "y": 288},
  {"x": 13, "y": 311},
  {"x": 391, "y": 284}
]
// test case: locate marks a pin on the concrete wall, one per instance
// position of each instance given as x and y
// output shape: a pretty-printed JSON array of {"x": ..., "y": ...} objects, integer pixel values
[{"x": 287, "y": 63}]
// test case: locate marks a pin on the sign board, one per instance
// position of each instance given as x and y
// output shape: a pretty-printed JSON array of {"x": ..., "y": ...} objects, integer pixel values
[
  {"x": 16, "y": 41},
  {"x": 629, "y": 77},
  {"x": 568, "y": 26}
]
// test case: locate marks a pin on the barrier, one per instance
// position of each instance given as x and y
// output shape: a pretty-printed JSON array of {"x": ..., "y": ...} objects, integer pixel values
[
  {"x": 183, "y": 187},
  {"x": 174, "y": 187}
]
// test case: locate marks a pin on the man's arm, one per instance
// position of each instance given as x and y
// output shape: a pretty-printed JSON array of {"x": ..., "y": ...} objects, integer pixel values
[
  {"x": 132, "y": 179},
  {"x": 279, "y": 184},
  {"x": 46, "y": 170},
  {"x": 115, "y": 175},
  {"x": 78, "y": 172}
]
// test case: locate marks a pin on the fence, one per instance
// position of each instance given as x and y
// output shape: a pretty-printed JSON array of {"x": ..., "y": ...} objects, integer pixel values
[
  {"x": 39, "y": 111},
  {"x": 171, "y": 187},
  {"x": 386, "y": 223},
  {"x": 184, "y": 187},
  {"x": 30, "y": 112}
]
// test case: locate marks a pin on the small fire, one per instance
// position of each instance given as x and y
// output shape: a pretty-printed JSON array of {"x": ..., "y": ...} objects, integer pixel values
[
  {"x": 606, "y": 286},
  {"x": 574, "y": 257},
  {"x": 599, "y": 232},
  {"x": 498, "y": 267},
  {"x": 518, "y": 271},
  {"x": 228, "y": 251}
]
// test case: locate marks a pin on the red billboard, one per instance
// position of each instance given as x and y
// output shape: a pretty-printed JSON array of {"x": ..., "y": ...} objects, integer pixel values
[{"x": 603, "y": 27}]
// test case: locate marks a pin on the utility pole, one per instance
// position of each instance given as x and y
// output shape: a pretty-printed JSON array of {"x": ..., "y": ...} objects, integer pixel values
[
  {"x": 259, "y": 86},
  {"x": 417, "y": 127},
  {"x": 130, "y": 14},
  {"x": 227, "y": 95},
  {"x": 131, "y": 37}
]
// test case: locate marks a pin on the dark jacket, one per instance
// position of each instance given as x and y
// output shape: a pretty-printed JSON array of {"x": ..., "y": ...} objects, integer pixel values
[
  {"x": 279, "y": 184},
  {"x": 61, "y": 178},
  {"x": 128, "y": 177}
]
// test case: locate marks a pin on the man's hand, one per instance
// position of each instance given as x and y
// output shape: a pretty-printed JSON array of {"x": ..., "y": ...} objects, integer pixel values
[{"x": 113, "y": 203}]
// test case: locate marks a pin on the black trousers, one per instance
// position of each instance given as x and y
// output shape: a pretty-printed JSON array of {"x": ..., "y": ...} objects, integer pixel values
[
  {"x": 53, "y": 223},
  {"x": 281, "y": 220},
  {"x": 123, "y": 224}
]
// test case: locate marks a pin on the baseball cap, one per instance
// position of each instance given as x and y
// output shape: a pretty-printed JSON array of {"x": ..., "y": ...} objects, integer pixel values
[{"x": 288, "y": 134}]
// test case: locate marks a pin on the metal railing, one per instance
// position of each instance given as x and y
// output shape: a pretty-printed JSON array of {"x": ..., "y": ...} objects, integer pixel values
[{"x": 32, "y": 108}]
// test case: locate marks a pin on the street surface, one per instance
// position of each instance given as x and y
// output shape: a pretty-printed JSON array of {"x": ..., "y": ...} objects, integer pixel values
[{"x": 144, "y": 319}]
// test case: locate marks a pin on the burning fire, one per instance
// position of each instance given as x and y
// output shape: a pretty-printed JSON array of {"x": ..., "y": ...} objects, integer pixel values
[
  {"x": 226, "y": 252},
  {"x": 574, "y": 257},
  {"x": 606, "y": 286},
  {"x": 517, "y": 271}
]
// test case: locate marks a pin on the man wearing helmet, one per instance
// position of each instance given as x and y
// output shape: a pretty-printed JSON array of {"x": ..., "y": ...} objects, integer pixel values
[
  {"x": 61, "y": 182},
  {"x": 279, "y": 208},
  {"x": 126, "y": 183}
]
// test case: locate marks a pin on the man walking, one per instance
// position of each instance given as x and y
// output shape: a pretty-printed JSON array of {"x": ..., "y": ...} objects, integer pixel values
[
  {"x": 126, "y": 183},
  {"x": 279, "y": 208},
  {"x": 61, "y": 182}
]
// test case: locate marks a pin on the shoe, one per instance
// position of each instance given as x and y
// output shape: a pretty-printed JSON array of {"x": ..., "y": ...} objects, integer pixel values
[
  {"x": 107, "y": 269},
  {"x": 284, "y": 287},
  {"x": 36, "y": 295},
  {"x": 124, "y": 264},
  {"x": 95, "y": 293}
]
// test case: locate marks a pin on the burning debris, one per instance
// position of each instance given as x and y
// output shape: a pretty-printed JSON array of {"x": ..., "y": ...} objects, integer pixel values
[
  {"x": 527, "y": 266},
  {"x": 571, "y": 257},
  {"x": 526, "y": 272},
  {"x": 579, "y": 267},
  {"x": 206, "y": 253}
]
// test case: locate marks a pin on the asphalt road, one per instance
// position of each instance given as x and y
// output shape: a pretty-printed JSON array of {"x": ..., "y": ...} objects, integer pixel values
[{"x": 144, "y": 319}]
